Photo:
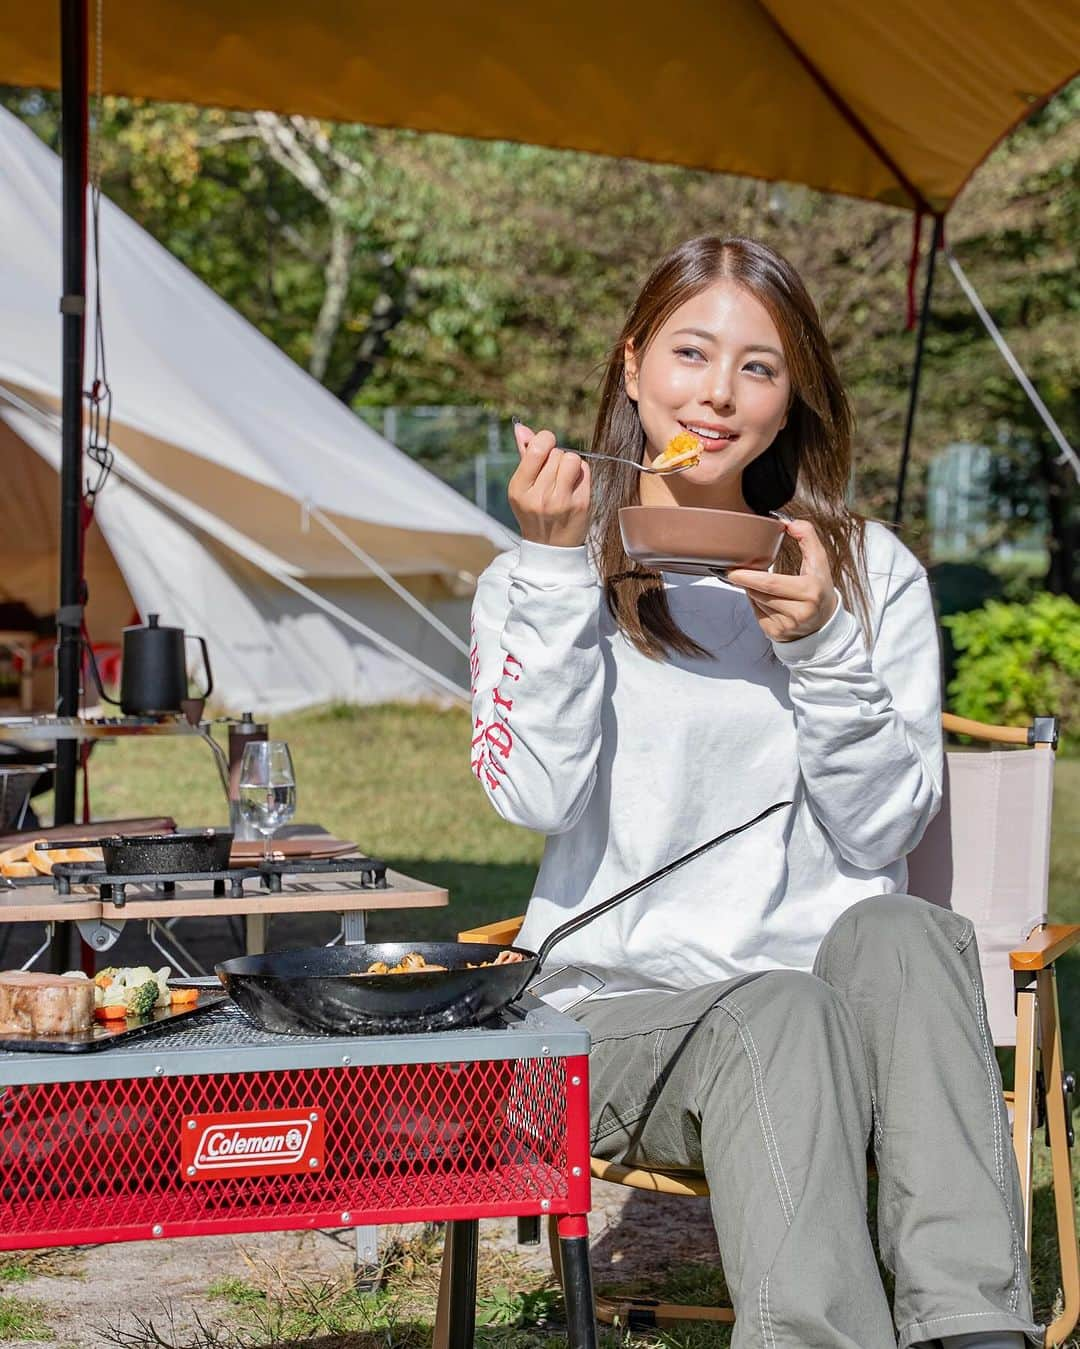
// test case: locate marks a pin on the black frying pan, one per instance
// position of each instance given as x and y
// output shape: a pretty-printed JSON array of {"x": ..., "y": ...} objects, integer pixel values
[{"x": 315, "y": 990}]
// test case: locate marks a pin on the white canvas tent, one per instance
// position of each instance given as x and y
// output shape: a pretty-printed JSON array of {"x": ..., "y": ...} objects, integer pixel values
[{"x": 247, "y": 504}]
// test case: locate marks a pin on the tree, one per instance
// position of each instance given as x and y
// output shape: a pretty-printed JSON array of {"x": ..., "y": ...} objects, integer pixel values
[{"x": 416, "y": 269}]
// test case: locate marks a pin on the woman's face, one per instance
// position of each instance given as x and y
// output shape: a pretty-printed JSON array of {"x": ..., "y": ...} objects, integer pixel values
[{"x": 716, "y": 368}]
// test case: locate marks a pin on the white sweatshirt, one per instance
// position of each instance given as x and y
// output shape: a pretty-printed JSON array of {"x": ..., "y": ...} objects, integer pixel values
[{"x": 626, "y": 763}]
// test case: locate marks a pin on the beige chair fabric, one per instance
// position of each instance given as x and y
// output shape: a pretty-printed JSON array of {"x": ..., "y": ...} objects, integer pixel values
[{"x": 987, "y": 855}]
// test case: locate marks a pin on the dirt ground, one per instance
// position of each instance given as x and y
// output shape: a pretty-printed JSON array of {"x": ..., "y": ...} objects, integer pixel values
[{"x": 84, "y": 1291}]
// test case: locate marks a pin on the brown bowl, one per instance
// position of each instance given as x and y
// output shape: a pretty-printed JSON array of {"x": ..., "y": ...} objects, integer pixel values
[{"x": 697, "y": 540}]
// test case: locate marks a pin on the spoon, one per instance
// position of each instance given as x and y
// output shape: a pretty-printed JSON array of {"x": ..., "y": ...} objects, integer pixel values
[
  {"x": 619, "y": 459},
  {"x": 641, "y": 468}
]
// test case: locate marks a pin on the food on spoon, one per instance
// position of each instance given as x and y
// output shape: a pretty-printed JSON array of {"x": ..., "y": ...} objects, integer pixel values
[
  {"x": 681, "y": 451},
  {"x": 45, "y": 1004}
]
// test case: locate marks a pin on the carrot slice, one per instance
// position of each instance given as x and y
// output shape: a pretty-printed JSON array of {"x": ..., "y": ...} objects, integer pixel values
[
  {"x": 117, "y": 1013},
  {"x": 181, "y": 997}
]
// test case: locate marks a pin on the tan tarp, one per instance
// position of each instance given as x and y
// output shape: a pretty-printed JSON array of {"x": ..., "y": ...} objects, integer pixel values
[{"x": 893, "y": 100}]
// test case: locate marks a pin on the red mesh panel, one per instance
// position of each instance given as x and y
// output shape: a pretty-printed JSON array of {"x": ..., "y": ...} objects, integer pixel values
[{"x": 101, "y": 1160}]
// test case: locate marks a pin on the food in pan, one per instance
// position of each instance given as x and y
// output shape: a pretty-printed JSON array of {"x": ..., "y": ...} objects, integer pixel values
[
  {"x": 44, "y": 1004},
  {"x": 681, "y": 451},
  {"x": 408, "y": 964},
  {"x": 26, "y": 859},
  {"x": 413, "y": 962},
  {"x": 503, "y": 958}
]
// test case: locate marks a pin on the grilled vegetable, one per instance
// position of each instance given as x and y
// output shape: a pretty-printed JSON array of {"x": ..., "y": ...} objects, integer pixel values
[{"x": 141, "y": 999}]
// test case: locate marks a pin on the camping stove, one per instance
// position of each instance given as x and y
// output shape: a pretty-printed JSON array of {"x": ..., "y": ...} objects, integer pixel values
[
  {"x": 224, "y": 1128},
  {"x": 368, "y": 873}
]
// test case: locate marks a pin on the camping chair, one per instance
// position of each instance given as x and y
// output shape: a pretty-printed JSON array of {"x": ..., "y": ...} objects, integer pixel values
[{"x": 986, "y": 855}]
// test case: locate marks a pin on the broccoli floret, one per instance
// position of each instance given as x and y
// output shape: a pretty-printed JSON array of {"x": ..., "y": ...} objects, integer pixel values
[{"x": 140, "y": 1000}]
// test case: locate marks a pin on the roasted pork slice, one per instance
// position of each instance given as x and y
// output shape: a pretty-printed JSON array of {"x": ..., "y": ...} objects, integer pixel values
[{"x": 44, "y": 1004}]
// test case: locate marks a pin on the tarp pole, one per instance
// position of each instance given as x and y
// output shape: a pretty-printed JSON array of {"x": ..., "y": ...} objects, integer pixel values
[
  {"x": 1067, "y": 454},
  {"x": 916, "y": 370},
  {"x": 74, "y": 114},
  {"x": 362, "y": 555}
]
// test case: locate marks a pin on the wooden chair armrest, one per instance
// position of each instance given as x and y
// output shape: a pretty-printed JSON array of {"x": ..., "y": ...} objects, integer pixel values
[
  {"x": 501, "y": 933},
  {"x": 1044, "y": 946},
  {"x": 978, "y": 730}
]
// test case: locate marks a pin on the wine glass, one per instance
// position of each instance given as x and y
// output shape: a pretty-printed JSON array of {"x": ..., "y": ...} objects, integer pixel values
[{"x": 267, "y": 788}]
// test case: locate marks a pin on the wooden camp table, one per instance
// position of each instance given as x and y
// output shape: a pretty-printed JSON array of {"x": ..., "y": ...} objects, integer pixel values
[{"x": 195, "y": 899}]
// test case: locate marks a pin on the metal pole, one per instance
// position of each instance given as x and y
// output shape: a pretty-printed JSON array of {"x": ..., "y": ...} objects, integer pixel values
[
  {"x": 73, "y": 105},
  {"x": 916, "y": 371}
]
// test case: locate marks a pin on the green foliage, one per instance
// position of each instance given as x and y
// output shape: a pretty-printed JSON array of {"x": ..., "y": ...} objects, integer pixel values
[
  {"x": 240, "y": 1292},
  {"x": 510, "y": 1307},
  {"x": 495, "y": 275},
  {"x": 1016, "y": 661}
]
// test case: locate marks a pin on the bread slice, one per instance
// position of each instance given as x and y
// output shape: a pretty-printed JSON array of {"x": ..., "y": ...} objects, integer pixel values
[{"x": 17, "y": 871}]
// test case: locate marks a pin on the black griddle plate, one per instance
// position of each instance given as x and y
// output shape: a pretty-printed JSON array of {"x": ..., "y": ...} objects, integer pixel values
[{"x": 102, "y": 1036}]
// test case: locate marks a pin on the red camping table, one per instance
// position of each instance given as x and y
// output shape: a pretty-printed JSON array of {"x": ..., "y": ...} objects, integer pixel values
[{"x": 214, "y": 1127}]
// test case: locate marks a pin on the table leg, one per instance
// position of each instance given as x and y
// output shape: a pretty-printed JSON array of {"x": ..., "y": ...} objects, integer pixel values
[
  {"x": 46, "y": 945},
  {"x": 255, "y": 927},
  {"x": 353, "y": 926},
  {"x": 159, "y": 932},
  {"x": 581, "y": 1330},
  {"x": 455, "y": 1319},
  {"x": 366, "y": 1259}
]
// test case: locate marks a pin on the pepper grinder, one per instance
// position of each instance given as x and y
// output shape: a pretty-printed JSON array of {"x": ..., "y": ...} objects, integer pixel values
[{"x": 241, "y": 734}]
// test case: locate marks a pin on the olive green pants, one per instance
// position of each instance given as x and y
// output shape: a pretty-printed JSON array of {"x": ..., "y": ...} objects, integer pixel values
[{"x": 775, "y": 1084}]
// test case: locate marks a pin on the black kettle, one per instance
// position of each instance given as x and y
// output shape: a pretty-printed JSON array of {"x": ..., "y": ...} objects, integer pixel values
[{"x": 153, "y": 678}]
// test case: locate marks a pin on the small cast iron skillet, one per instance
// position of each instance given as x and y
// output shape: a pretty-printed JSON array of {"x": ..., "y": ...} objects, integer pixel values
[{"x": 157, "y": 854}]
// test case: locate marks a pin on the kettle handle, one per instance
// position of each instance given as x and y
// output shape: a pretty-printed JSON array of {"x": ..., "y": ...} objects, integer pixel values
[
  {"x": 206, "y": 665},
  {"x": 88, "y": 648}
]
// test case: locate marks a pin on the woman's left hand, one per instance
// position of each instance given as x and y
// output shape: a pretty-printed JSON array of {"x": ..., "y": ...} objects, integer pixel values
[{"x": 792, "y": 606}]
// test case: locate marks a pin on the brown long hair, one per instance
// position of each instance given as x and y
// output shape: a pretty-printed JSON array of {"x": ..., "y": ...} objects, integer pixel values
[{"x": 805, "y": 470}]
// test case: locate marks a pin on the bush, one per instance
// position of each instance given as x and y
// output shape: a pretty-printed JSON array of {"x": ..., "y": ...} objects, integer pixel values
[{"x": 1018, "y": 661}]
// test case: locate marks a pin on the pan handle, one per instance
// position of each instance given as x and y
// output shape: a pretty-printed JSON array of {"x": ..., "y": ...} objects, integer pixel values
[{"x": 553, "y": 938}]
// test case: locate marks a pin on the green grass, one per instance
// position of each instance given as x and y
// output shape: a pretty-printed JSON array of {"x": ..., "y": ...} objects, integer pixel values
[
  {"x": 21, "y": 1320},
  {"x": 396, "y": 779}
]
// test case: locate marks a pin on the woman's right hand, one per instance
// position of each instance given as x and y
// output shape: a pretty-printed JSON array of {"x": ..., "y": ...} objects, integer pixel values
[{"x": 549, "y": 492}]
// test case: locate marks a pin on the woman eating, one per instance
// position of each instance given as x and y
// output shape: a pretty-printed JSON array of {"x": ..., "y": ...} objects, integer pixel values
[{"x": 779, "y": 1005}]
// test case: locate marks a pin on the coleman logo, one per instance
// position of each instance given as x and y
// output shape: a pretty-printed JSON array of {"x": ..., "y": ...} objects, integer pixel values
[
  {"x": 233, "y": 1144},
  {"x": 252, "y": 1143}
]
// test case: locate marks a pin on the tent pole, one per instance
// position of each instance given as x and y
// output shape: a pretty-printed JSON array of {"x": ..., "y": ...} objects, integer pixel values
[
  {"x": 74, "y": 113},
  {"x": 916, "y": 370}
]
